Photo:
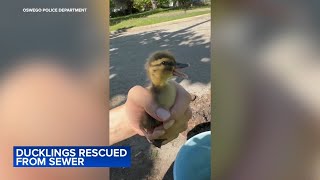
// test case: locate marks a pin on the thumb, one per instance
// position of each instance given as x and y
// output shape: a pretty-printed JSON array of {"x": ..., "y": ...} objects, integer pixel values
[{"x": 144, "y": 99}]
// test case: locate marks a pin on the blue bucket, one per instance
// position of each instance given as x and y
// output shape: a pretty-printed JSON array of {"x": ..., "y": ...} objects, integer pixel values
[{"x": 193, "y": 159}]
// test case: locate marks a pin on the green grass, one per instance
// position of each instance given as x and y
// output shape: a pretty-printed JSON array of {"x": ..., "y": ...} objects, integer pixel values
[{"x": 154, "y": 17}]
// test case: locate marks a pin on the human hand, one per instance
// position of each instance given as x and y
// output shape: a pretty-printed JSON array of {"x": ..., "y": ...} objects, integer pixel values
[{"x": 175, "y": 120}]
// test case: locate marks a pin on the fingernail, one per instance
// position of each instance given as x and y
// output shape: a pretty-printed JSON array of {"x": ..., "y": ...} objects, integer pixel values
[
  {"x": 158, "y": 133},
  {"x": 168, "y": 124},
  {"x": 163, "y": 114}
]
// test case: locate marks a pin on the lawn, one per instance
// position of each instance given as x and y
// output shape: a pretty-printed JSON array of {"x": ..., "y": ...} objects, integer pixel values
[{"x": 154, "y": 17}]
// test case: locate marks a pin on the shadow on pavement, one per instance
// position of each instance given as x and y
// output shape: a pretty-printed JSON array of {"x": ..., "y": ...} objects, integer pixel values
[
  {"x": 141, "y": 160},
  {"x": 169, "y": 173},
  {"x": 129, "y": 53}
]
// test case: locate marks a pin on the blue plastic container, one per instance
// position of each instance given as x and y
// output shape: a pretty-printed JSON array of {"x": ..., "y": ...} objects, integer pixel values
[{"x": 193, "y": 161}]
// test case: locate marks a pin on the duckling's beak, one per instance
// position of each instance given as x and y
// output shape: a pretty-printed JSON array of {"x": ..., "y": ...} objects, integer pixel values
[{"x": 177, "y": 72}]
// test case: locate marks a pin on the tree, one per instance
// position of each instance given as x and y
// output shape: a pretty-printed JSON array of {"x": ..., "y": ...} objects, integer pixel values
[
  {"x": 123, "y": 5},
  {"x": 142, "y": 5},
  {"x": 154, "y": 4},
  {"x": 185, "y": 4}
]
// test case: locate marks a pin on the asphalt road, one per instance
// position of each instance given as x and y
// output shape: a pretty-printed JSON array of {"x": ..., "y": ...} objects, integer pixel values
[{"x": 188, "y": 39}]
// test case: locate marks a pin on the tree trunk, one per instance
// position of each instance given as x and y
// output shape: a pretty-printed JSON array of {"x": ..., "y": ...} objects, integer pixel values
[
  {"x": 130, "y": 6},
  {"x": 175, "y": 3},
  {"x": 154, "y": 4}
]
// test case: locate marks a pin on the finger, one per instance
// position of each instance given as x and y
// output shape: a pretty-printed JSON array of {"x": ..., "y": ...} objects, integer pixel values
[
  {"x": 168, "y": 124},
  {"x": 156, "y": 134},
  {"x": 170, "y": 139},
  {"x": 188, "y": 114},
  {"x": 165, "y": 125},
  {"x": 159, "y": 128},
  {"x": 138, "y": 128},
  {"x": 183, "y": 128},
  {"x": 180, "y": 125},
  {"x": 144, "y": 99},
  {"x": 141, "y": 131},
  {"x": 182, "y": 102}
]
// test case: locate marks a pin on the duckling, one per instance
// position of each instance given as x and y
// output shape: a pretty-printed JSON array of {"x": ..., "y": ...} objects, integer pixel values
[{"x": 161, "y": 66}]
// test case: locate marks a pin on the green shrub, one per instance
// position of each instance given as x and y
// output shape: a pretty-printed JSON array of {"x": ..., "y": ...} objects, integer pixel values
[
  {"x": 163, "y": 3},
  {"x": 185, "y": 3},
  {"x": 112, "y": 6},
  {"x": 142, "y": 5}
]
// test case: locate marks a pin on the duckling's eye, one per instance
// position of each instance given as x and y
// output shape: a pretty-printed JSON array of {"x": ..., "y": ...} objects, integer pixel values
[{"x": 164, "y": 63}]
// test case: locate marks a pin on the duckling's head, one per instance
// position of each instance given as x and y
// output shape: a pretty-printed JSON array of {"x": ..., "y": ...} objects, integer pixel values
[{"x": 161, "y": 66}]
